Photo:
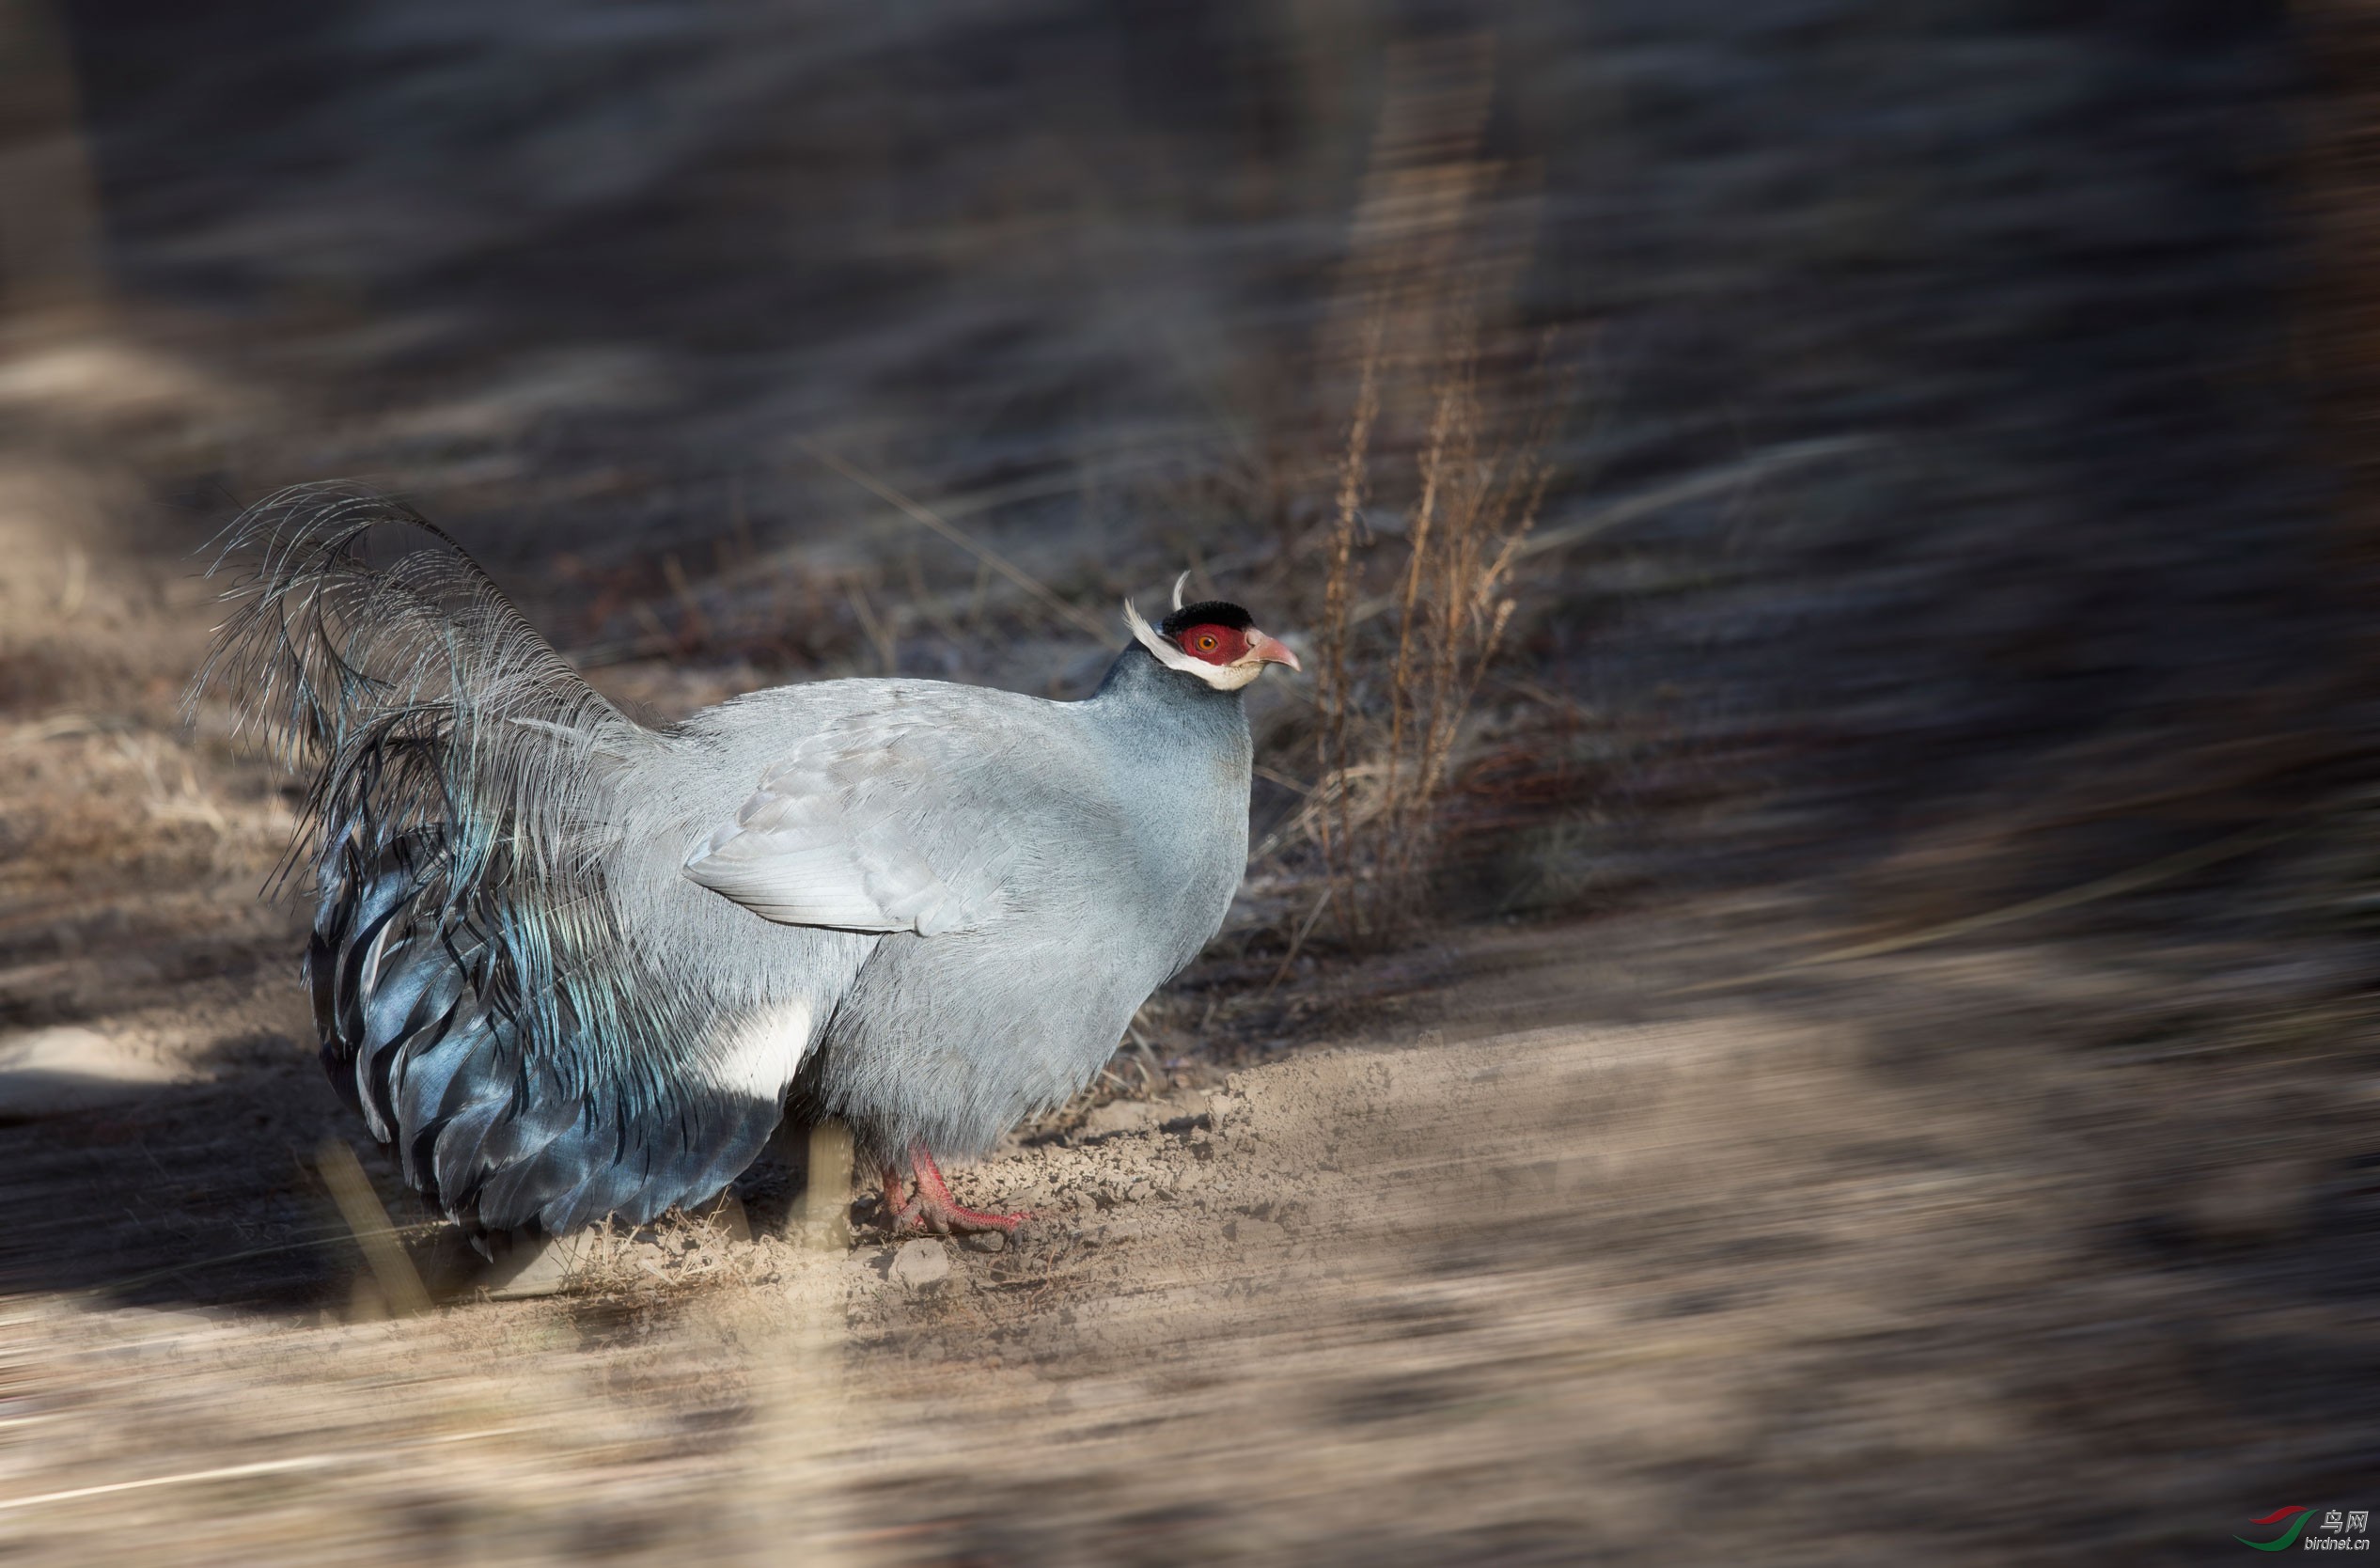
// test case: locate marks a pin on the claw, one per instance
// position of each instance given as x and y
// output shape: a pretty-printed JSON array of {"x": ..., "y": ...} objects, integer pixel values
[{"x": 930, "y": 1207}]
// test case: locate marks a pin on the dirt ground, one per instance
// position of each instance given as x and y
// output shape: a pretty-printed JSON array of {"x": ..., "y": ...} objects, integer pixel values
[
  {"x": 1591, "y": 1242},
  {"x": 1725, "y": 1284}
]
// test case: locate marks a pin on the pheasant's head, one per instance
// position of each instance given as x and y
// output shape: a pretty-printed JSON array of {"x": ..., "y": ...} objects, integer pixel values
[{"x": 1215, "y": 641}]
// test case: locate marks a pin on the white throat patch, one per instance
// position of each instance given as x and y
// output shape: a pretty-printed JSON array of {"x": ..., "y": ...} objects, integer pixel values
[{"x": 1223, "y": 678}]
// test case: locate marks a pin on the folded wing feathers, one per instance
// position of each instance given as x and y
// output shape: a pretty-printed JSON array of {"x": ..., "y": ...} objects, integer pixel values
[
  {"x": 792, "y": 884},
  {"x": 823, "y": 843}
]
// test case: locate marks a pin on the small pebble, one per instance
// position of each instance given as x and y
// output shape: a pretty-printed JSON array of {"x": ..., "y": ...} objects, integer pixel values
[{"x": 920, "y": 1265}]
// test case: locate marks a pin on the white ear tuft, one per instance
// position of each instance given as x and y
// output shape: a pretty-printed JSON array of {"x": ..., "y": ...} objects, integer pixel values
[
  {"x": 1178, "y": 583},
  {"x": 1145, "y": 635}
]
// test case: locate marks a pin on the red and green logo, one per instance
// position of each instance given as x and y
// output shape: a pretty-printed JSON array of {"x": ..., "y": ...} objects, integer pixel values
[{"x": 2286, "y": 1539}]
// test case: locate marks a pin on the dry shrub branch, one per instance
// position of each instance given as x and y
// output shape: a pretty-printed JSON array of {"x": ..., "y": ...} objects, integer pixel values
[
  {"x": 1440, "y": 479},
  {"x": 1401, "y": 667}
]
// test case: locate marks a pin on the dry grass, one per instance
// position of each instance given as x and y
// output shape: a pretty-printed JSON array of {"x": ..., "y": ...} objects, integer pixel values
[
  {"x": 1439, "y": 481},
  {"x": 1398, "y": 673}
]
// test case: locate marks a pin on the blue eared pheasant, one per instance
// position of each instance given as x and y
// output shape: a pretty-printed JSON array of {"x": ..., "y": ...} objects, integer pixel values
[{"x": 569, "y": 966}]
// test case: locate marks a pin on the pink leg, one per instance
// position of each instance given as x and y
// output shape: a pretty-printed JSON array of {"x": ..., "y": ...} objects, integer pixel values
[{"x": 932, "y": 1207}]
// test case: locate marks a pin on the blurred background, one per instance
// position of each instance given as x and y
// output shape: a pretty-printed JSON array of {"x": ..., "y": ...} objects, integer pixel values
[{"x": 1805, "y": 990}]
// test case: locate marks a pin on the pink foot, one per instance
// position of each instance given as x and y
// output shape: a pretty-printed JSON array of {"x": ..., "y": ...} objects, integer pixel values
[{"x": 933, "y": 1208}]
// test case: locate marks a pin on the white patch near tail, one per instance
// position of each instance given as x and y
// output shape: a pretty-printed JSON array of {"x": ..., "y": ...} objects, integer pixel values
[{"x": 761, "y": 1057}]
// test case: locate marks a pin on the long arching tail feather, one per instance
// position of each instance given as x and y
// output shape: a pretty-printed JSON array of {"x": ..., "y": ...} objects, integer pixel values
[{"x": 478, "y": 998}]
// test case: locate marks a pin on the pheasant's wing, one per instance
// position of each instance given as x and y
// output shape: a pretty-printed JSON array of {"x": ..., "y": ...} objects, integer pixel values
[{"x": 913, "y": 817}]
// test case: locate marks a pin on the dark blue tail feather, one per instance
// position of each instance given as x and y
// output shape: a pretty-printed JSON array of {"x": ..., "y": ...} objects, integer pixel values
[{"x": 420, "y": 1038}]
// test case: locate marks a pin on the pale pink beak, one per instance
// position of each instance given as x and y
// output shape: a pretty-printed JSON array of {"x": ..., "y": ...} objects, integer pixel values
[{"x": 1273, "y": 650}]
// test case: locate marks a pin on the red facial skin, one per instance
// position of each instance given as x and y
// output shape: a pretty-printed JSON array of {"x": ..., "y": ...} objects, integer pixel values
[
  {"x": 1225, "y": 644},
  {"x": 1217, "y": 645}
]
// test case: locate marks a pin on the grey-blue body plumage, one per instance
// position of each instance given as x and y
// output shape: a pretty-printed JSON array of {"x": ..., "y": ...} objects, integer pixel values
[{"x": 569, "y": 966}]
